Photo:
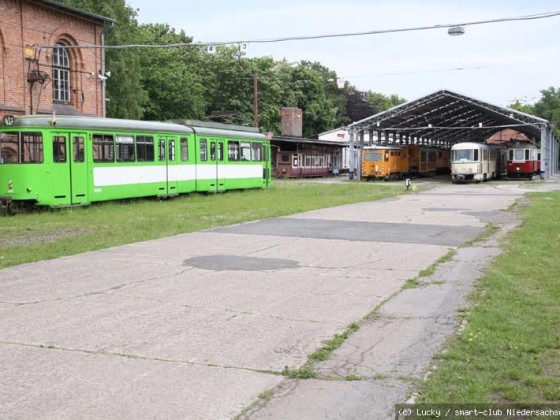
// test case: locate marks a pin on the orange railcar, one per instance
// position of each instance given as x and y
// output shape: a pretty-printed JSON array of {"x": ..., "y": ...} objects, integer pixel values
[{"x": 384, "y": 162}]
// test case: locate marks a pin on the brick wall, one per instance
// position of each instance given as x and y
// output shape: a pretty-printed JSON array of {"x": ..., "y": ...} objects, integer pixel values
[
  {"x": 291, "y": 122},
  {"x": 24, "y": 23}
]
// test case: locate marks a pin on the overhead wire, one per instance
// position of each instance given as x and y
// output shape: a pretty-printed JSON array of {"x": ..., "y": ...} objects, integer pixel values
[{"x": 312, "y": 37}]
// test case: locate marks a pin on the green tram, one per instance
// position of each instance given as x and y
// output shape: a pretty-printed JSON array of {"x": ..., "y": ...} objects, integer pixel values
[{"x": 67, "y": 160}]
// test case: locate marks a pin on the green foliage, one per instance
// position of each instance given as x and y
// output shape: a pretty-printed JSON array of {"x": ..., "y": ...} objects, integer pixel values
[
  {"x": 170, "y": 75},
  {"x": 526, "y": 108},
  {"x": 548, "y": 107},
  {"x": 188, "y": 83},
  {"x": 305, "y": 372}
]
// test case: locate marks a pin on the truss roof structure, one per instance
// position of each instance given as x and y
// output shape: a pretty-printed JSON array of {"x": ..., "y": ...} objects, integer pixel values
[{"x": 446, "y": 116}]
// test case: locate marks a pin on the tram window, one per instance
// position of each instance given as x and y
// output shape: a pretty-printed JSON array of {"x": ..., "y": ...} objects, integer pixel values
[
  {"x": 125, "y": 148},
  {"x": 59, "y": 149},
  {"x": 144, "y": 149},
  {"x": 221, "y": 152},
  {"x": 510, "y": 154},
  {"x": 161, "y": 150},
  {"x": 233, "y": 150},
  {"x": 518, "y": 155},
  {"x": 21, "y": 148},
  {"x": 245, "y": 149},
  {"x": 285, "y": 158},
  {"x": 373, "y": 157},
  {"x": 526, "y": 154},
  {"x": 212, "y": 150},
  {"x": 32, "y": 148},
  {"x": 203, "y": 150},
  {"x": 78, "y": 149},
  {"x": 171, "y": 154},
  {"x": 257, "y": 151},
  {"x": 184, "y": 149},
  {"x": 9, "y": 146},
  {"x": 475, "y": 155},
  {"x": 103, "y": 148}
]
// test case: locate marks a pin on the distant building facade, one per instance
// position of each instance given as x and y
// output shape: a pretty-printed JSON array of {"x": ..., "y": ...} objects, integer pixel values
[
  {"x": 35, "y": 80},
  {"x": 508, "y": 135},
  {"x": 339, "y": 135}
]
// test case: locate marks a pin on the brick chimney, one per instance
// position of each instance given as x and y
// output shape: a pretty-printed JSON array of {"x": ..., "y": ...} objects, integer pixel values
[{"x": 292, "y": 122}]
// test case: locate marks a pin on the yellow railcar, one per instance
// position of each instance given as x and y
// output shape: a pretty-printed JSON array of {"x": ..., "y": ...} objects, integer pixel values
[
  {"x": 422, "y": 160},
  {"x": 384, "y": 162}
]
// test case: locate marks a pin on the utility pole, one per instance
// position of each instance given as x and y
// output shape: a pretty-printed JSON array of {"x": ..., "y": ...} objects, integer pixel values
[{"x": 256, "y": 100}]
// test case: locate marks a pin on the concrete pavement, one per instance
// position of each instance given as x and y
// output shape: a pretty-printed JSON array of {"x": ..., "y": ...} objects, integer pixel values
[{"x": 197, "y": 326}]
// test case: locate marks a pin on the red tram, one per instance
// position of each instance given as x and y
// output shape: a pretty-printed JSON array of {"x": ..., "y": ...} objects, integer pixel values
[{"x": 523, "y": 160}]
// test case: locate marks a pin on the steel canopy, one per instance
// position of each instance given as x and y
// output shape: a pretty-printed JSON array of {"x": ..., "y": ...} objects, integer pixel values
[{"x": 445, "y": 118}]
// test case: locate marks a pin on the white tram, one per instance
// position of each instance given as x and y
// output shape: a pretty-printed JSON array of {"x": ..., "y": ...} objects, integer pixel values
[{"x": 476, "y": 162}]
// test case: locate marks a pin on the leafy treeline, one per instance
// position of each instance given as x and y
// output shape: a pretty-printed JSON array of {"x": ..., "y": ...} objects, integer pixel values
[
  {"x": 189, "y": 83},
  {"x": 548, "y": 107}
]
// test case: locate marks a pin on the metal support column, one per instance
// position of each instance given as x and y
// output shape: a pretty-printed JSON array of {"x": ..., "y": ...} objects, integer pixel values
[
  {"x": 545, "y": 152},
  {"x": 351, "y": 153}
]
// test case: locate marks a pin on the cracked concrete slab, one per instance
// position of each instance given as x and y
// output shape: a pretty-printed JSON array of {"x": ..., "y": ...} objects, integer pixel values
[
  {"x": 134, "y": 331},
  {"x": 357, "y": 400},
  {"x": 50, "y": 383}
]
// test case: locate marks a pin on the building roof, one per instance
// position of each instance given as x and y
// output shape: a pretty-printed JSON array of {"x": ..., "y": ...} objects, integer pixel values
[
  {"x": 99, "y": 123},
  {"x": 508, "y": 135},
  {"x": 51, "y": 4},
  {"x": 302, "y": 140},
  {"x": 451, "y": 117}
]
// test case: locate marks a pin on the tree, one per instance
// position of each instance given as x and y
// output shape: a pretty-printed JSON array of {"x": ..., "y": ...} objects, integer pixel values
[
  {"x": 526, "y": 108},
  {"x": 306, "y": 86},
  {"x": 548, "y": 107},
  {"x": 228, "y": 86},
  {"x": 170, "y": 76},
  {"x": 357, "y": 105}
]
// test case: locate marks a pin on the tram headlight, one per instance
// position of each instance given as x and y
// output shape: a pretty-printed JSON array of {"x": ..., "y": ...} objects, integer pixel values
[{"x": 10, "y": 185}]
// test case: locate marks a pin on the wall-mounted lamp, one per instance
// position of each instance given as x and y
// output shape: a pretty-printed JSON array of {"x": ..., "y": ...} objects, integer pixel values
[{"x": 102, "y": 77}]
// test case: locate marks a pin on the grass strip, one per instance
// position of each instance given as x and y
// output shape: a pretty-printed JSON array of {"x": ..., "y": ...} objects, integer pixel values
[
  {"x": 31, "y": 237},
  {"x": 509, "y": 350}
]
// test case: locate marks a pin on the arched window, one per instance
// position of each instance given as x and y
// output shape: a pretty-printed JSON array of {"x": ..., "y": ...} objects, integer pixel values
[{"x": 61, "y": 74}]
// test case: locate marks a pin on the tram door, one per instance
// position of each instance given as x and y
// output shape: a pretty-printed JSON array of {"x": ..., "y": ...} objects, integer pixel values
[
  {"x": 69, "y": 169},
  {"x": 266, "y": 165},
  {"x": 78, "y": 168},
  {"x": 167, "y": 155},
  {"x": 217, "y": 156}
]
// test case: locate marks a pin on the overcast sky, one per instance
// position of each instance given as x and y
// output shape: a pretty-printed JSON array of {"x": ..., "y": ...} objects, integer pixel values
[{"x": 497, "y": 63}]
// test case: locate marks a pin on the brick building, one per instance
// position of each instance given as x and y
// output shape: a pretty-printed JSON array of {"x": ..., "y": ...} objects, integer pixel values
[{"x": 37, "y": 80}]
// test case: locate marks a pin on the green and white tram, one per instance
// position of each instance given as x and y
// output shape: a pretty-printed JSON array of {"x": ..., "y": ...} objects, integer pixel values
[{"x": 67, "y": 160}]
